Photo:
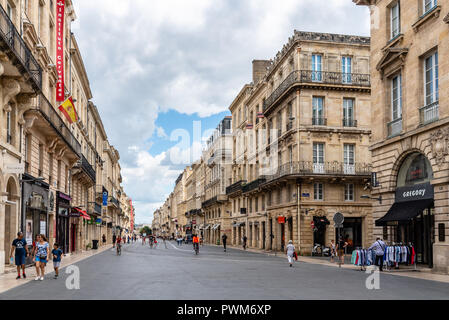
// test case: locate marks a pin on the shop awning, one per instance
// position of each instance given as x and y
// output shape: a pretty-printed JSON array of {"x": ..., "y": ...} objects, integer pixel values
[
  {"x": 216, "y": 226},
  {"x": 207, "y": 227},
  {"x": 83, "y": 214},
  {"x": 404, "y": 211}
]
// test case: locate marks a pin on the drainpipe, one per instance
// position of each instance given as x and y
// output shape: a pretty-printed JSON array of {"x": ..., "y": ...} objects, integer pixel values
[{"x": 299, "y": 213}]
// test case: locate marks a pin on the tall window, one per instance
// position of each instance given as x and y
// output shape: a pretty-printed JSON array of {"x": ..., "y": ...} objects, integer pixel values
[
  {"x": 318, "y": 111},
  {"x": 348, "y": 113},
  {"x": 346, "y": 69},
  {"x": 396, "y": 98},
  {"x": 431, "y": 78},
  {"x": 318, "y": 191},
  {"x": 349, "y": 192},
  {"x": 9, "y": 11},
  {"x": 395, "y": 21},
  {"x": 316, "y": 67},
  {"x": 429, "y": 5},
  {"x": 348, "y": 156},
  {"x": 318, "y": 157}
]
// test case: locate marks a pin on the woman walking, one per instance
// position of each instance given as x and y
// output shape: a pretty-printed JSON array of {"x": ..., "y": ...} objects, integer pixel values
[
  {"x": 333, "y": 248},
  {"x": 42, "y": 252},
  {"x": 290, "y": 252}
]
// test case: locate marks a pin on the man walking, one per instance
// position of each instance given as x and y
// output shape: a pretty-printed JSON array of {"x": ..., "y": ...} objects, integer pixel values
[
  {"x": 379, "y": 249},
  {"x": 114, "y": 238},
  {"x": 224, "y": 238},
  {"x": 20, "y": 247},
  {"x": 245, "y": 239}
]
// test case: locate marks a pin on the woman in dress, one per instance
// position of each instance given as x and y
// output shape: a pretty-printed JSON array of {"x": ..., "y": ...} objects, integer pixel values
[{"x": 42, "y": 253}]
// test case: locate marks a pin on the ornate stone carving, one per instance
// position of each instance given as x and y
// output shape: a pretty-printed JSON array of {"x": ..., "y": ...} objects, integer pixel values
[
  {"x": 11, "y": 89},
  {"x": 24, "y": 103},
  {"x": 439, "y": 142}
]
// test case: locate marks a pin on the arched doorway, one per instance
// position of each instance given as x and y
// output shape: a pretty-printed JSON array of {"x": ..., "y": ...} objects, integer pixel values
[
  {"x": 410, "y": 221},
  {"x": 11, "y": 217}
]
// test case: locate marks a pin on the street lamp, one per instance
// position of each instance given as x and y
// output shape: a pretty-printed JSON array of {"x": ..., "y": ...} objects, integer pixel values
[{"x": 369, "y": 197}]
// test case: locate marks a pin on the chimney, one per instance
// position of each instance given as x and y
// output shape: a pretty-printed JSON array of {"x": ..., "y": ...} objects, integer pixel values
[{"x": 259, "y": 69}]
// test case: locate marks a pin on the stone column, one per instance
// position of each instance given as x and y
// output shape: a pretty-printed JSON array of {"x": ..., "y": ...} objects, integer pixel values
[{"x": 232, "y": 235}]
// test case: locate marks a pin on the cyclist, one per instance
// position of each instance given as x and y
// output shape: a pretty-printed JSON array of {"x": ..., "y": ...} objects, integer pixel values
[
  {"x": 119, "y": 245},
  {"x": 196, "y": 243}
]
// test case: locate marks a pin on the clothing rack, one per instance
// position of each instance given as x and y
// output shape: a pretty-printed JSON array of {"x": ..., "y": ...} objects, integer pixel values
[{"x": 410, "y": 246}]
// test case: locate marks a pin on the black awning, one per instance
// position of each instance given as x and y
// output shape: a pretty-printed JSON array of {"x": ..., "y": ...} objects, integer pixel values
[{"x": 404, "y": 211}]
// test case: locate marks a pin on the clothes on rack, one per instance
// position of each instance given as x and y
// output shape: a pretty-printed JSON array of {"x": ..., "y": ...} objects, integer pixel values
[
  {"x": 399, "y": 254},
  {"x": 363, "y": 257}
]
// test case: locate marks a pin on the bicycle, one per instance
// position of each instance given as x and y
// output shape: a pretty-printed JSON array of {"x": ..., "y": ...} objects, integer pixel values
[
  {"x": 119, "y": 249},
  {"x": 196, "y": 247}
]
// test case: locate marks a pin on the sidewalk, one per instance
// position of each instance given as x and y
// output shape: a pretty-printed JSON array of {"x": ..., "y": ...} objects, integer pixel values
[
  {"x": 420, "y": 273},
  {"x": 8, "y": 280}
]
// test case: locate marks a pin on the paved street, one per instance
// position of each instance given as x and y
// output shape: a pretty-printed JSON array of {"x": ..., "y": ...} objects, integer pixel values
[{"x": 176, "y": 273}]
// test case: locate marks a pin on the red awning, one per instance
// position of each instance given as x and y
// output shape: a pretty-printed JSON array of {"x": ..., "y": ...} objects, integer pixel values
[{"x": 83, "y": 214}]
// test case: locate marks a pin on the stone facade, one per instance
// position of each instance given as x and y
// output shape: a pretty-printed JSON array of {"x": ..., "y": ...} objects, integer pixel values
[
  {"x": 52, "y": 163},
  {"x": 422, "y": 125}
]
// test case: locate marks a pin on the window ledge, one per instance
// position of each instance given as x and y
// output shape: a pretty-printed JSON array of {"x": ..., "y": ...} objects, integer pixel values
[
  {"x": 433, "y": 13},
  {"x": 392, "y": 42}
]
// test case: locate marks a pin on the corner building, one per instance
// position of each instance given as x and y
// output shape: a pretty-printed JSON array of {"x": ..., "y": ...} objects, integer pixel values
[{"x": 410, "y": 129}]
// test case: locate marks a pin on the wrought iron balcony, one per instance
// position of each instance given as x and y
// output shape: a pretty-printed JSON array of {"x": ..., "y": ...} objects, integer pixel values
[
  {"x": 308, "y": 168},
  {"x": 236, "y": 187},
  {"x": 254, "y": 185},
  {"x": 429, "y": 113},
  {"x": 12, "y": 44},
  {"x": 349, "y": 123},
  {"x": 394, "y": 127},
  {"x": 51, "y": 115},
  {"x": 114, "y": 201},
  {"x": 87, "y": 168},
  {"x": 317, "y": 77}
]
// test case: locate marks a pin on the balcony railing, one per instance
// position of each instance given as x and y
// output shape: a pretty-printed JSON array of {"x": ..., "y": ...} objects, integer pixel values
[
  {"x": 324, "y": 77},
  {"x": 305, "y": 168},
  {"x": 50, "y": 114},
  {"x": 12, "y": 40},
  {"x": 429, "y": 113},
  {"x": 319, "y": 121},
  {"x": 253, "y": 185},
  {"x": 349, "y": 123},
  {"x": 236, "y": 187},
  {"x": 113, "y": 200},
  {"x": 394, "y": 127},
  {"x": 87, "y": 168}
]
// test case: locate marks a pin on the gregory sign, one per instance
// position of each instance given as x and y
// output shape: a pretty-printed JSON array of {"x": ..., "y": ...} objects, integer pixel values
[{"x": 414, "y": 193}]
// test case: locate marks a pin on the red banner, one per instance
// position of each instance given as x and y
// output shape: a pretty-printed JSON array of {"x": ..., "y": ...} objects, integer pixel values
[{"x": 60, "y": 92}]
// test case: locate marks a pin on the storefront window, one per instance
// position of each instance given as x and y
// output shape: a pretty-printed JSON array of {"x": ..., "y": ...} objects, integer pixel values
[{"x": 416, "y": 169}]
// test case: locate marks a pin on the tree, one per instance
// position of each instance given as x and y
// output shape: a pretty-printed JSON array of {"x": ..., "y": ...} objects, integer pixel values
[{"x": 146, "y": 230}]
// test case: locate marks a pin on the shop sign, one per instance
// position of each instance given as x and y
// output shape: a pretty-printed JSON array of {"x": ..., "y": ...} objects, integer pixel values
[
  {"x": 281, "y": 220},
  {"x": 60, "y": 90},
  {"x": 15, "y": 168},
  {"x": 414, "y": 193},
  {"x": 105, "y": 198},
  {"x": 29, "y": 232}
]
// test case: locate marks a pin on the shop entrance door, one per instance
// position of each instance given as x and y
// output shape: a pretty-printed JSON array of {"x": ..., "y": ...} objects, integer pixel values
[
  {"x": 62, "y": 236},
  {"x": 263, "y": 235},
  {"x": 73, "y": 237},
  {"x": 282, "y": 236},
  {"x": 352, "y": 233}
]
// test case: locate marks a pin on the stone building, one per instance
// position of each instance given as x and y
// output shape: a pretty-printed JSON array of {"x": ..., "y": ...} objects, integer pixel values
[
  {"x": 302, "y": 132},
  {"x": 410, "y": 128},
  {"x": 217, "y": 177},
  {"x": 47, "y": 165}
]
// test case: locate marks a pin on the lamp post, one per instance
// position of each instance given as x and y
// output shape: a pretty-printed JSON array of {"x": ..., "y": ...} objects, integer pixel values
[{"x": 369, "y": 197}]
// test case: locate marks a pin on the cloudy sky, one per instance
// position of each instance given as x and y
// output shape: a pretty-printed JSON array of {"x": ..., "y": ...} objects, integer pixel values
[{"x": 160, "y": 68}]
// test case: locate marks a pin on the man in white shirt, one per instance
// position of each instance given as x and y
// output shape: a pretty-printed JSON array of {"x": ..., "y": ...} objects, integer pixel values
[{"x": 379, "y": 249}]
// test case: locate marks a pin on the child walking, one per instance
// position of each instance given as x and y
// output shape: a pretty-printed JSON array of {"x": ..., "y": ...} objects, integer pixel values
[{"x": 57, "y": 256}]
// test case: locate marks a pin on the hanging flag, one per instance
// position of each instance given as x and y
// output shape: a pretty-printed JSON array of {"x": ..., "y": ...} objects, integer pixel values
[
  {"x": 68, "y": 109},
  {"x": 83, "y": 214}
]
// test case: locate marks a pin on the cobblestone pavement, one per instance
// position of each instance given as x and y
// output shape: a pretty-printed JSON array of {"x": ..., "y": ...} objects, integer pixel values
[{"x": 173, "y": 272}]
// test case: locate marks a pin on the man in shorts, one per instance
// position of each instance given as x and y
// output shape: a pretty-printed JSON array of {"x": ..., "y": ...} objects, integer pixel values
[{"x": 20, "y": 247}]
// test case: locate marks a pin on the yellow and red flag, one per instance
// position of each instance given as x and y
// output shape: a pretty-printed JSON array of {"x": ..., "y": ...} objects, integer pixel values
[{"x": 68, "y": 109}]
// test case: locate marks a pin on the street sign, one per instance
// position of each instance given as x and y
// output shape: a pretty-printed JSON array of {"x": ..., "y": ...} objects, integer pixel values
[
  {"x": 306, "y": 195},
  {"x": 15, "y": 168},
  {"x": 339, "y": 218}
]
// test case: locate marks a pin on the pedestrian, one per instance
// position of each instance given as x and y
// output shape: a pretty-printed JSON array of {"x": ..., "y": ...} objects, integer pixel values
[
  {"x": 165, "y": 244},
  {"x": 114, "y": 239},
  {"x": 224, "y": 238},
  {"x": 57, "y": 257},
  {"x": 20, "y": 248},
  {"x": 104, "y": 239},
  {"x": 341, "y": 245},
  {"x": 379, "y": 249},
  {"x": 333, "y": 248},
  {"x": 179, "y": 239},
  {"x": 41, "y": 254},
  {"x": 290, "y": 250},
  {"x": 245, "y": 239}
]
